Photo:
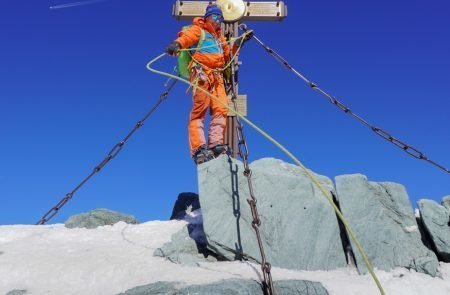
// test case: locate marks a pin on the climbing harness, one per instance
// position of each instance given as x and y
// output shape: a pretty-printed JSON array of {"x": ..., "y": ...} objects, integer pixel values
[
  {"x": 203, "y": 77},
  {"x": 188, "y": 66},
  {"x": 196, "y": 63},
  {"x": 256, "y": 223},
  {"x": 382, "y": 133},
  {"x": 111, "y": 155},
  {"x": 289, "y": 154}
]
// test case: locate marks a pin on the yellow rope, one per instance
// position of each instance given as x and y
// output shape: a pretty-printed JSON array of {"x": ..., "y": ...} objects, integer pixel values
[
  {"x": 290, "y": 155},
  {"x": 214, "y": 45}
]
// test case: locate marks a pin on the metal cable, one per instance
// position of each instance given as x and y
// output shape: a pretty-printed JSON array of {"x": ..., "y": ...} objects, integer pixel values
[
  {"x": 256, "y": 223},
  {"x": 416, "y": 153},
  {"x": 111, "y": 155}
]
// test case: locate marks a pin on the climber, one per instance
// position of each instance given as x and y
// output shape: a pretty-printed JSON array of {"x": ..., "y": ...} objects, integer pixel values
[{"x": 210, "y": 55}]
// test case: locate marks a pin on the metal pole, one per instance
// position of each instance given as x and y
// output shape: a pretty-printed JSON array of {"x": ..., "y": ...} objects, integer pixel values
[{"x": 231, "y": 30}]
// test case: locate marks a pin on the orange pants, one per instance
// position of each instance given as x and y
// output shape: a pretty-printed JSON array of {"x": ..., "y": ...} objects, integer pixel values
[{"x": 213, "y": 83}]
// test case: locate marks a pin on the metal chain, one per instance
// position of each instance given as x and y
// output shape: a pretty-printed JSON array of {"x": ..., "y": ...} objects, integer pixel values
[
  {"x": 382, "y": 133},
  {"x": 111, "y": 155},
  {"x": 256, "y": 223}
]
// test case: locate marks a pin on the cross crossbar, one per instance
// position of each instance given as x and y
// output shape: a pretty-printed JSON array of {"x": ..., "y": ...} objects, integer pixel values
[{"x": 254, "y": 11}]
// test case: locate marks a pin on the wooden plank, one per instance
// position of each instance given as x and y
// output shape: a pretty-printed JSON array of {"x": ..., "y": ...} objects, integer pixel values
[
  {"x": 255, "y": 11},
  {"x": 241, "y": 105}
]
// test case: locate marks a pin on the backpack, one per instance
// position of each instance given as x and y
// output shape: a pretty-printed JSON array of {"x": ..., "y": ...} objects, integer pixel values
[{"x": 185, "y": 57}]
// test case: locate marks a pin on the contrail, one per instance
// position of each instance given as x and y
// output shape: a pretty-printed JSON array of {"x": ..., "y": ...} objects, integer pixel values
[{"x": 73, "y": 4}]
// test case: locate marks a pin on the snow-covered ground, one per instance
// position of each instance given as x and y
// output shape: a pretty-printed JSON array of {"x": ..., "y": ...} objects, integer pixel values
[{"x": 52, "y": 259}]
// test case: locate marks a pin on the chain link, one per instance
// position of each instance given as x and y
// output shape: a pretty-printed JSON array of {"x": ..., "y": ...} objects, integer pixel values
[
  {"x": 111, "y": 155},
  {"x": 414, "y": 152},
  {"x": 256, "y": 223}
]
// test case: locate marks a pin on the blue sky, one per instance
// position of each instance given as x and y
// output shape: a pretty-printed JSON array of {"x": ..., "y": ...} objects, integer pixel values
[{"x": 73, "y": 83}]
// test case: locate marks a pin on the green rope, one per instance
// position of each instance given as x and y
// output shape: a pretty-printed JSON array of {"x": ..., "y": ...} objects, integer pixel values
[{"x": 290, "y": 155}]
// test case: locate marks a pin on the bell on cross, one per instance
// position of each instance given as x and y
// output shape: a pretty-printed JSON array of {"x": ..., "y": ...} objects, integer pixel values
[{"x": 232, "y": 10}]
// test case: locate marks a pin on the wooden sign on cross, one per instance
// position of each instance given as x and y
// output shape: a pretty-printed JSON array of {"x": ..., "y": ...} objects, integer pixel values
[{"x": 247, "y": 11}]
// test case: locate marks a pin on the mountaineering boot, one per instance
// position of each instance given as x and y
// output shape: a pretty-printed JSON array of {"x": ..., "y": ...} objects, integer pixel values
[
  {"x": 220, "y": 149},
  {"x": 203, "y": 155}
]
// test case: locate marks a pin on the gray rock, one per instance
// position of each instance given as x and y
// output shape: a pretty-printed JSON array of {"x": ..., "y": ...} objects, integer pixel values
[
  {"x": 436, "y": 220},
  {"x": 229, "y": 287},
  {"x": 299, "y": 287},
  {"x": 425, "y": 237},
  {"x": 226, "y": 287},
  {"x": 17, "y": 292},
  {"x": 446, "y": 202},
  {"x": 98, "y": 217},
  {"x": 182, "y": 249},
  {"x": 382, "y": 218},
  {"x": 299, "y": 227},
  {"x": 158, "y": 288}
]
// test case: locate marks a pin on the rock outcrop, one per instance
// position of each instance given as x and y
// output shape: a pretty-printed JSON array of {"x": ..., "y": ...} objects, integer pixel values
[
  {"x": 436, "y": 220},
  {"x": 98, "y": 217},
  {"x": 182, "y": 249},
  {"x": 299, "y": 227},
  {"x": 189, "y": 245},
  {"x": 230, "y": 287},
  {"x": 186, "y": 203},
  {"x": 383, "y": 220},
  {"x": 446, "y": 202}
]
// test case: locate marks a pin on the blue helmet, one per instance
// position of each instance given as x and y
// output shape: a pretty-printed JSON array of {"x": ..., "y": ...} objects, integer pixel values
[{"x": 213, "y": 9}]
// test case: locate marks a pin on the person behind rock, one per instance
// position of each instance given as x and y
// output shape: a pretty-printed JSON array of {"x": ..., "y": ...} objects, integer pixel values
[{"x": 210, "y": 56}]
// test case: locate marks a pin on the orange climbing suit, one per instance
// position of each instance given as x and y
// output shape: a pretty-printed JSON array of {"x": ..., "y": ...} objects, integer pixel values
[{"x": 205, "y": 72}]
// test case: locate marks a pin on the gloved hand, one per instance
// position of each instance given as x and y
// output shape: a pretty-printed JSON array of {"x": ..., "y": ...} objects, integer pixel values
[
  {"x": 240, "y": 42},
  {"x": 173, "y": 48}
]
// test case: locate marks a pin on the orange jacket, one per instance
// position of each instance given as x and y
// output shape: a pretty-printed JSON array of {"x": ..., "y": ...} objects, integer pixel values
[{"x": 214, "y": 52}]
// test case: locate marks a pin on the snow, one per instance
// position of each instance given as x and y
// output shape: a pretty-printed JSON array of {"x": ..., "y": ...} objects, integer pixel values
[
  {"x": 412, "y": 228},
  {"x": 417, "y": 213},
  {"x": 52, "y": 259}
]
